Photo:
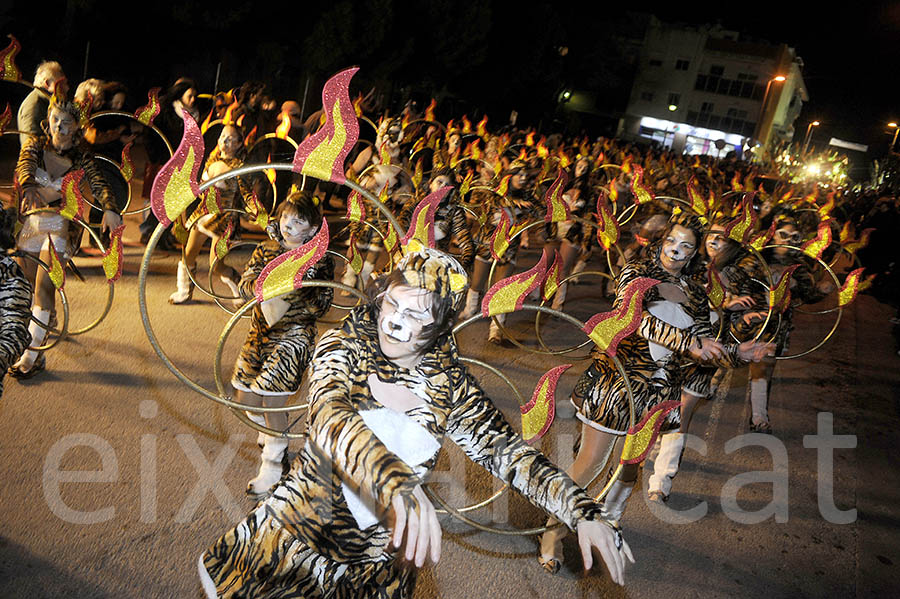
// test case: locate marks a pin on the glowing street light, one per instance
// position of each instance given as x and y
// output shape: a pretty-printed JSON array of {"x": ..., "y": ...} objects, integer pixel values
[
  {"x": 896, "y": 129},
  {"x": 809, "y": 134},
  {"x": 760, "y": 129},
  {"x": 673, "y": 107}
]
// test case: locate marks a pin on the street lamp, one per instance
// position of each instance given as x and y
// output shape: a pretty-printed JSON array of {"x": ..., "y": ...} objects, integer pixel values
[
  {"x": 896, "y": 129},
  {"x": 760, "y": 128},
  {"x": 809, "y": 134}
]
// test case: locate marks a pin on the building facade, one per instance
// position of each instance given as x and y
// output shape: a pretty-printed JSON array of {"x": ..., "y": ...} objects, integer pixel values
[{"x": 704, "y": 90}]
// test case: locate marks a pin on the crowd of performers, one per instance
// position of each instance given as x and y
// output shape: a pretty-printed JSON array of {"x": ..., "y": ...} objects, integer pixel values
[{"x": 342, "y": 518}]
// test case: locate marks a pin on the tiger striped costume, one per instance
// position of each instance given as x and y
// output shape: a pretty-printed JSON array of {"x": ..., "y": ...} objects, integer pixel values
[
  {"x": 274, "y": 357},
  {"x": 600, "y": 395},
  {"x": 15, "y": 313},
  {"x": 235, "y": 197},
  {"x": 304, "y": 541}
]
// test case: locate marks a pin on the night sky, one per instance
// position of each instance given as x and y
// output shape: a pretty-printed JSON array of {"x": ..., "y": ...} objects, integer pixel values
[{"x": 477, "y": 57}]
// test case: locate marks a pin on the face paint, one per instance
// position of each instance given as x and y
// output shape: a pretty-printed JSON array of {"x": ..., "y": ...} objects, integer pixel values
[
  {"x": 715, "y": 242},
  {"x": 677, "y": 249},
  {"x": 405, "y": 312},
  {"x": 62, "y": 129},
  {"x": 229, "y": 142},
  {"x": 295, "y": 230}
]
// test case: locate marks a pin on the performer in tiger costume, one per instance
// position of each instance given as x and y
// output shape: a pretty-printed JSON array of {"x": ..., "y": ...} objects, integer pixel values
[
  {"x": 15, "y": 299},
  {"x": 387, "y": 389},
  {"x": 282, "y": 333},
  {"x": 674, "y": 331},
  {"x": 44, "y": 161}
]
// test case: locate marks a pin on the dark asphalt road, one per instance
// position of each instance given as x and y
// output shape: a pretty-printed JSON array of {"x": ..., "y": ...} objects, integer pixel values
[{"x": 133, "y": 522}]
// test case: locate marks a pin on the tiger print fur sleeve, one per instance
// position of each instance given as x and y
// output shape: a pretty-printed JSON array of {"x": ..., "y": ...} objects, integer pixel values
[
  {"x": 652, "y": 328},
  {"x": 15, "y": 313},
  {"x": 337, "y": 430},
  {"x": 481, "y": 431},
  {"x": 459, "y": 232},
  {"x": 29, "y": 160},
  {"x": 99, "y": 187},
  {"x": 255, "y": 265}
]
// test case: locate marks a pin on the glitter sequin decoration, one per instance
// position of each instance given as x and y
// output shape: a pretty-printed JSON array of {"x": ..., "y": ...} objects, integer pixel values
[
  {"x": 175, "y": 186},
  {"x": 509, "y": 294},
  {"x": 715, "y": 290},
  {"x": 322, "y": 154},
  {"x": 640, "y": 437},
  {"x": 421, "y": 226},
  {"x": 607, "y": 329},
  {"x": 8, "y": 69},
  {"x": 112, "y": 259},
  {"x": 642, "y": 193},
  {"x": 538, "y": 414},
  {"x": 5, "y": 119},
  {"x": 145, "y": 114},
  {"x": 57, "y": 272},
  {"x": 72, "y": 207},
  {"x": 551, "y": 282},
  {"x": 816, "y": 247},
  {"x": 557, "y": 210},
  {"x": 608, "y": 231},
  {"x": 286, "y": 272}
]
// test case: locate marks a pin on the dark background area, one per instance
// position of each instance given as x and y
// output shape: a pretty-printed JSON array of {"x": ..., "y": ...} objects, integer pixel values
[{"x": 476, "y": 58}]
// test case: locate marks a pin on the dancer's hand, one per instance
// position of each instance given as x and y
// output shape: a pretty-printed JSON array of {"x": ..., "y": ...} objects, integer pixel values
[
  {"x": 593, "y": 534},
  {"x": 709, "y": 349},
  {"x": 111, "y": 220},
  {"x": 31, "y": 199},
  {"x": 755, "y": 351},
  {"x": 739, "y": 302},
  {"x": 751, "y": 318},
  {"x": 423, "y": 531}
]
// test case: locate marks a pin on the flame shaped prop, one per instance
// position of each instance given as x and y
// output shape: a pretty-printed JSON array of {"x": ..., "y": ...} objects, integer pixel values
[
  {"x": 845, "y": 232},
  {"x": 356, "y": 210},
  {"x": 736, "y": 182},
  {"x": 8, "y": 69},
  {"x": 503, "y": 187},
  {"x": 698, "y": 203},
  {"x": 500, "y": 238},
  {"x": 780, "y": 295},
  {"x": 508, "y": 295},
  {"x": 286, "y": 272},
  {"x": 541, "y": 147},
  {"x": 538, "y": 414},
  {"x": 554, "y": 275},
  {"x": 354, "y": 259},
  {"x": 127, "y": 168},
  {"x": 642, "y": 193},
  {"x": 608, "y": 231},
  {"x": 112, "y": 259},
  {"x": 814, "y": 248},
  {"x": 557, "y": 209},
  {"x": 429, "y": 110},
  {"x": 258, "y": 211},
  {"x": 742, "y": 227},
  {"x": 850, "y": 288},
  {"x": 607, "y": 329},
  {"x": 481, "y": 128},
  {"x": 529, "y": 139},
  {"x": 180, "y": 232},
  {"x": 466, "y": 124},
  {"x": 715, "y": 290},
  {"x": 5, "y": 118},
  {"x": 322, "y": 154},
  {"x": 204, "y": 126},
  {"x": 642, "y": 436},
  {"x": 84, "y": 110},
  {"x": 826, "y": 208},
  {"x": 854, "y": 246},
  {"x": 175, "y": 186},
  {"x": 466, "y": 184},
  {"x": 761, "y": 239},
  {"x": 57, "y": 272},
  {"x": 421, "y": 225},
  {"x": 72, "y": 207},
  {"x": 224, "y": 242},
  {"x": 418, "y": 174},
  {"x": 148, "y": 112}
]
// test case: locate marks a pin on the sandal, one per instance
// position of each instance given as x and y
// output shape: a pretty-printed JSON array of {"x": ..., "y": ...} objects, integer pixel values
[
  {"x": 763, "y": 427},
  {"x": 549, "y": 562},
  {"x": 657, "y": 497},
  {"x": 39, "y": 365}
]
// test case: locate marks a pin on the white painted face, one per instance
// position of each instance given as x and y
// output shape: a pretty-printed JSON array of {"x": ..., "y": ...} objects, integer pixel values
[
  {"x": 785, "y": 235},
  {"x": 62, "y": 129},
  {"x": 453, "y": 142},
  {"x": 229, "y": 142},
  {"x": 581, "y": 167},
  {"x": 678, "y": 248},
  {"x": 405, "y": 311},
  {"x": 716, "y": 242},
  {"x": 295, "y": 229}
]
